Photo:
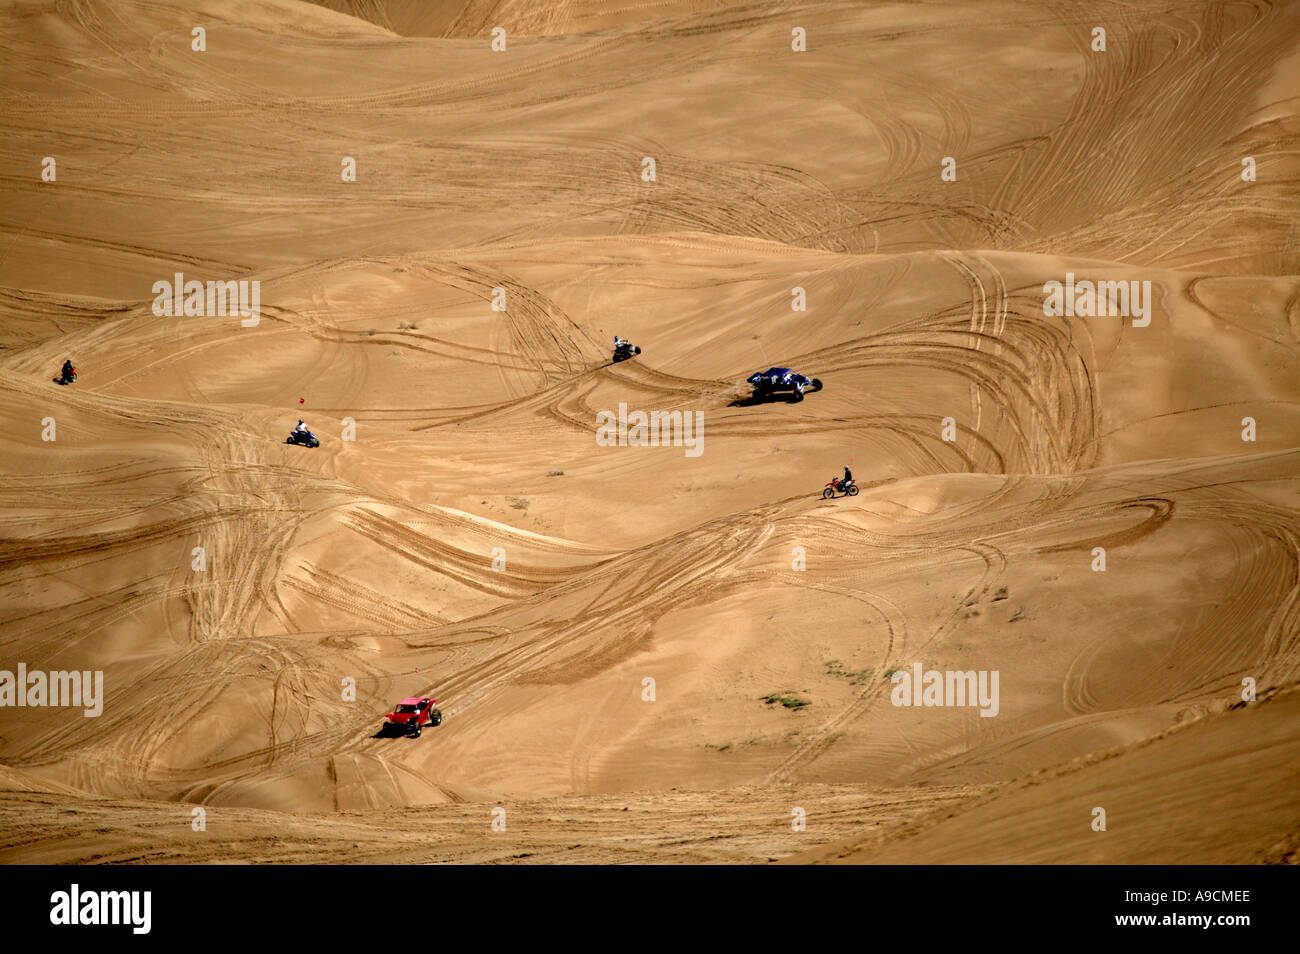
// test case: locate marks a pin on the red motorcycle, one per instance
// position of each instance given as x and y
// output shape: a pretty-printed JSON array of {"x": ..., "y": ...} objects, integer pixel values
[{"x": 846, "y": 487}]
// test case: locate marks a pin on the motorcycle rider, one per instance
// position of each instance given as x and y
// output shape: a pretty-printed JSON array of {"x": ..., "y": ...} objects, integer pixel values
[
  {"x": 68, "y": 370},
  {"x": 848, "y": 479}
]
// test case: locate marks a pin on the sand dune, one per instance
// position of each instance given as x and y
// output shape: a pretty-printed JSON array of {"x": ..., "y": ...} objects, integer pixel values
[{"x": 462, "y": 533}]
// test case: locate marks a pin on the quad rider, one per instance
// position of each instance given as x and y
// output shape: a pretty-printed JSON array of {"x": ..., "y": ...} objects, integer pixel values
[
  {"x": 69, "y": 372},
  {"x": 623, "y": 349}
]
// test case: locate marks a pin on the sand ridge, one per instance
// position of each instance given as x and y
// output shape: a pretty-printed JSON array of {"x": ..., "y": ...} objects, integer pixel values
[{"x": 474, "y": 542}]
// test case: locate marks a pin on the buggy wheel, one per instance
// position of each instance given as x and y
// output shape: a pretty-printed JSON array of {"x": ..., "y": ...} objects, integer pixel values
[
  {"x": 817, "y": 384},
  {"x": 828, "y": 493},
  {"x": 636, "y": 349},
  {"x": 436, "y": 717},
  {"x": 797, "y": 396}
]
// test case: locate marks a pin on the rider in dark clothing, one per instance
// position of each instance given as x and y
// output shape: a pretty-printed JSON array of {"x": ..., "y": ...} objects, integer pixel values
[
  {"x": 848, "y": 477},
  {"x": 68, "y": 370}
]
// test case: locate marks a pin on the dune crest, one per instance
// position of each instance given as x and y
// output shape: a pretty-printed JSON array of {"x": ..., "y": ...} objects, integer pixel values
[{"x": 1099, "y": 503}]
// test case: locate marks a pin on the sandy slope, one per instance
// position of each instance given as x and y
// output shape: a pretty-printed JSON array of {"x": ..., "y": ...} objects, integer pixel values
[{"x": 372, "y": 560}]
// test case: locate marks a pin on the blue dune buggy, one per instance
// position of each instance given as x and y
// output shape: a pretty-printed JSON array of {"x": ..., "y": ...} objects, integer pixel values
[{"x": 782, "y": 381}]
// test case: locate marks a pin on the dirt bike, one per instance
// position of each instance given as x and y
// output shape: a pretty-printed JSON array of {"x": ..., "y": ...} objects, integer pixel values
[
  {"x": 67, "y": 377},
  {"x": 306, "y": 439},
  {"x": 846, "y": 487},
  {"x": 625, "y": 350}
]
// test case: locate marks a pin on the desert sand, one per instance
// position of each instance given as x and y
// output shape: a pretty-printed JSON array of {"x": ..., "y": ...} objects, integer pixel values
[{"x": 644, "y": 654}]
